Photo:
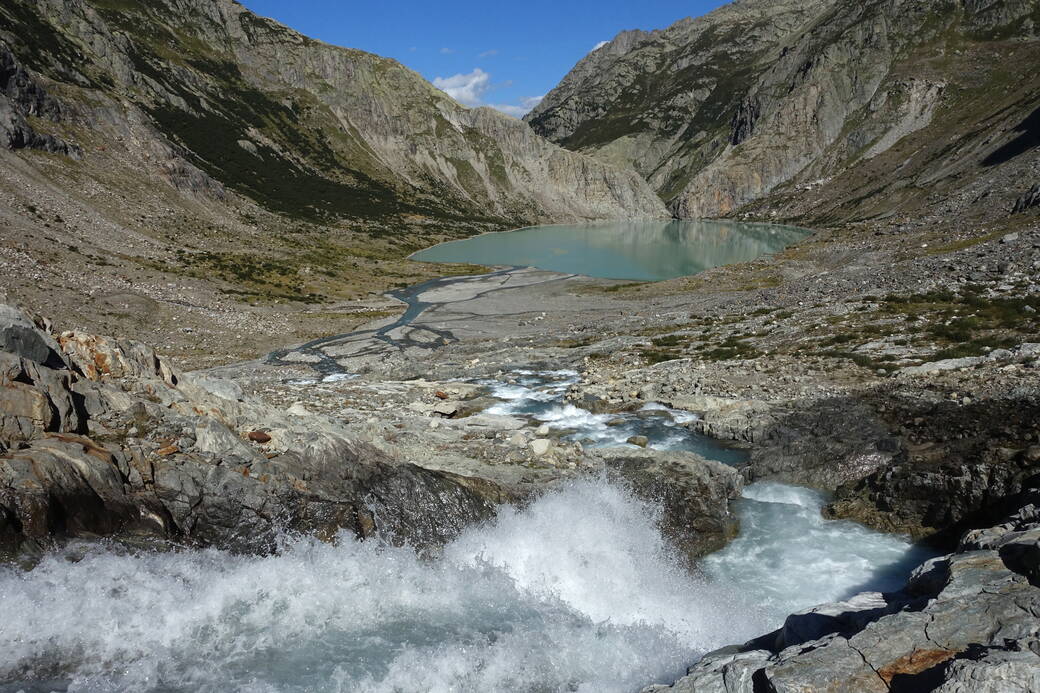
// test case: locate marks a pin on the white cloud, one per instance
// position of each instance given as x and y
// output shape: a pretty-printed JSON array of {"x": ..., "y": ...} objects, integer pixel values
[
  {"x": 521, "y": 109},
  {"x": 530, "y": 102},
  {"x": 488, "y": 54},
  {"x": 467, "y": 89},
  {"x": 447, "y": 51},
  {"x": 598, "y": 46},
  {"x": 510, "y": 109}
]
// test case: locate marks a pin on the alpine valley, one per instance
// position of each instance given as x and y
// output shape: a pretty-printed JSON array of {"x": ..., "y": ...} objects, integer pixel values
[{"x": 249, "y": 442}]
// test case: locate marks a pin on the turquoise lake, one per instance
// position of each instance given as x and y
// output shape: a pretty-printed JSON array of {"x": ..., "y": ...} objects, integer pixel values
[{"x": 636, "y": 250}]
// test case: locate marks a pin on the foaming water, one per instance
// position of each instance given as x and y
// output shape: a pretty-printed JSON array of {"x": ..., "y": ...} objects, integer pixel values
[
  {"x": 576, "y": 592},
  {"x": 539, "y": 396},
  {"x": 793, "y": 558}
]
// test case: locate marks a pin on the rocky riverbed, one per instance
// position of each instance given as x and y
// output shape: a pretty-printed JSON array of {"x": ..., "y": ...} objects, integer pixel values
[{"x": 408, "y": 430}]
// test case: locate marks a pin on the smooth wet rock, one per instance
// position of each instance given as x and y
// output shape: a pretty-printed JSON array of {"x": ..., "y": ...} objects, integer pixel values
[{"x": 638, "y": 441}]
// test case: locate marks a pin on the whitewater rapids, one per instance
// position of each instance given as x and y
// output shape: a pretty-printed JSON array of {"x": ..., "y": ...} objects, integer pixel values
[{"x": 576, "y": 592}]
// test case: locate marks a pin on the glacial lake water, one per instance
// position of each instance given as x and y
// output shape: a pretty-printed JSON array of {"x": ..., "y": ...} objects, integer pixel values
[{"x": 635, "y": 250}]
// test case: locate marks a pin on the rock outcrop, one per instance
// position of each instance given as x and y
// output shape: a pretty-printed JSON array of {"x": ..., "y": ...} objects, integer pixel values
[
  {"x": 1027, "y": 201},
  {"x": 663, "y": 101},
  {"x": 964, "y": 622},
  {"x": 22, "y": 96},
  {"x": 101, "y": 437},
  {"x": 932, "y": 501},
  {"x": 694, "y": 494},
  {"x": 928, "y": 467}
]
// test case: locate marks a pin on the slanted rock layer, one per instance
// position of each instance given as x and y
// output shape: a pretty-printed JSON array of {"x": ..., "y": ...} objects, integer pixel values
[{"x": 762, "y": 97}]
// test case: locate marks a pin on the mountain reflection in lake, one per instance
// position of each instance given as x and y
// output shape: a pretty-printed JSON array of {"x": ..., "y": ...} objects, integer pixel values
[{"x": 637, "y": 250}]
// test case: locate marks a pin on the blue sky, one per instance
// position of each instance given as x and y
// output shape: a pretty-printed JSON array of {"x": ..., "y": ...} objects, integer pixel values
[{"x": 504, "y": 55}]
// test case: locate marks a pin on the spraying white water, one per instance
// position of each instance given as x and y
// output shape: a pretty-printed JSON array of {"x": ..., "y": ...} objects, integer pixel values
[{"x": 578, "y": 591}]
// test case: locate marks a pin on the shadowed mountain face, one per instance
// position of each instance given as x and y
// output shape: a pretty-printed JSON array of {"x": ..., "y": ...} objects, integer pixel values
[
  {"x": 306, "y": 130},
  {"x": 872, "y": 106}
]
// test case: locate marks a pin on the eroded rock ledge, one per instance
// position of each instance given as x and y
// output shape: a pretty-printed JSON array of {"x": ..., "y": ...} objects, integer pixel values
[{"x": 101, "y": 437}]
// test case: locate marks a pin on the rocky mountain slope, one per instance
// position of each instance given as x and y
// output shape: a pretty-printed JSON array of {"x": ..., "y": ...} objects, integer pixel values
[
  {"x": 305, "y": 129},
  {"x": 191, "y": 159},
  {"x": 825, "y": 110}
]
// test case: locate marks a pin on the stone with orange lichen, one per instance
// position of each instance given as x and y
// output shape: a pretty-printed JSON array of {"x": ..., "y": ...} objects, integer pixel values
[{"x": 914, "y": 663}]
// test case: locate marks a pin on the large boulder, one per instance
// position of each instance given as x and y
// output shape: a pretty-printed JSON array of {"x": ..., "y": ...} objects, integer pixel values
[
  {"x": 1027, "y": 201},
  {"x": 35, "y": 399},
  {"x": 694, "y": 494},
  {"x": 822, "y": 444},
  {"x": 22, "y": 337},
  {"x": 106, "y": 359}
]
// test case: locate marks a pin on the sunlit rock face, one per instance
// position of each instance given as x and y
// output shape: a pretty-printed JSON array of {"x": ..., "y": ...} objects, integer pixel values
[{"x": 760, "y": 98}]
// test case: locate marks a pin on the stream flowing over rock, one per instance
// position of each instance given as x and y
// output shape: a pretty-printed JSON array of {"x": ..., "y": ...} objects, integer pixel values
[
  {"x": 967, "y": 621},
  {"x": 102, "y": 437}
]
